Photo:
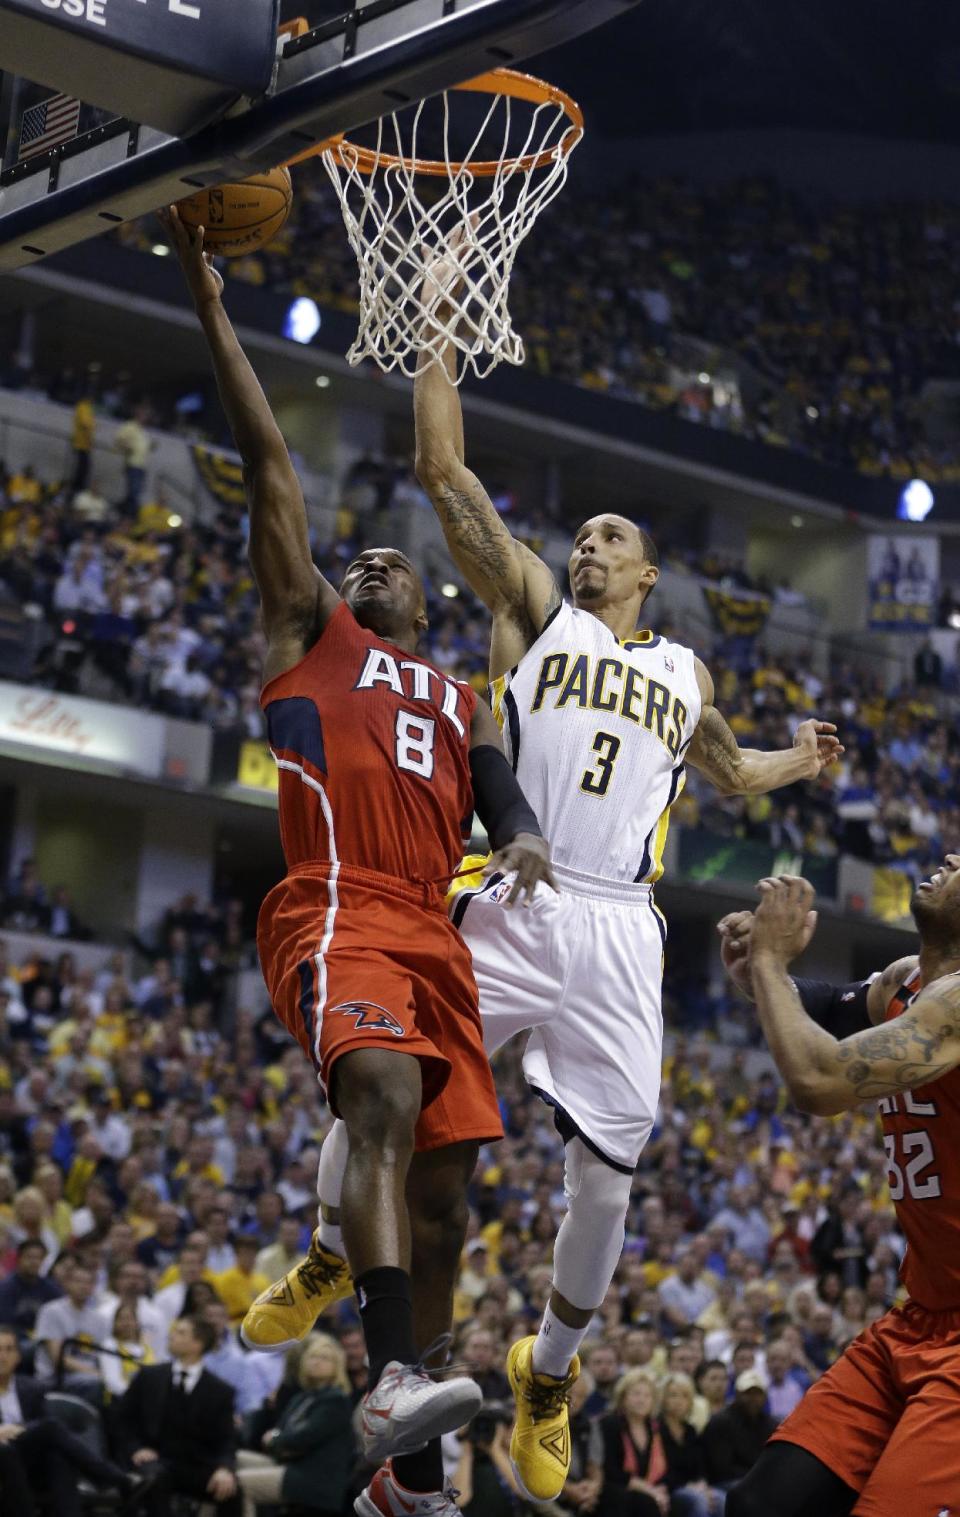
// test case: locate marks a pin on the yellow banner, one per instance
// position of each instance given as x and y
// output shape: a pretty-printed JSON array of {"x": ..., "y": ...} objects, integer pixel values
[
  {"x": 737, "y": 615},
  {"x": 222, "y": 477},
  {"x": 256, "y": 768},
  {"x": 892, "y": 893}
]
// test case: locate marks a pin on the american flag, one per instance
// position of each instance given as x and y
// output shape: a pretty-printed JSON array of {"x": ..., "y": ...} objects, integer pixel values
[{"x": 45, "y": 125}]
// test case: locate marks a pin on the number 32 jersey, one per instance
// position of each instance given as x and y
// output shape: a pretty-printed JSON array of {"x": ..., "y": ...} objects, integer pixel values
[
  {"x": 921, "y": 1136},
  {"x": 596, "y": 729},
  {"x": 372, "y": 745}
]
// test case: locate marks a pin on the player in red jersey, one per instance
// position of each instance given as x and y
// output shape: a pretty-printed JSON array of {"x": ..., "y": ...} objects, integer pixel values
[
  {"x": 382, "y": 759},
  {"x": 879, "y": 1434}
]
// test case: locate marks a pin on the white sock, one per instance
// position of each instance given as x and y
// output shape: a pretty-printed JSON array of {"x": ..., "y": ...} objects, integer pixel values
[
  {"x": 330, "y": 1171},
  {"x": 556, "y": 1345}
]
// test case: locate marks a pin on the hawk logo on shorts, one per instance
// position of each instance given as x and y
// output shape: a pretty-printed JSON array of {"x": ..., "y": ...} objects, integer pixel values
[{"x": 368, "y": 1014}]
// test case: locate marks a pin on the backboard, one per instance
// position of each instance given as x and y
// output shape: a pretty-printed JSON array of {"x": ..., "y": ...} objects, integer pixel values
[{"x": 335, "y": 76}]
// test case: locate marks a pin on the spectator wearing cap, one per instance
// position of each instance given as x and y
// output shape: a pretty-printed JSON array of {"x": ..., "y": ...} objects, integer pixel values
[
  {"x": 24, "y": 1292},
  {"x": 475, "y": 1275},
  {"x": 734, "y": 1438},
  {"x": 239, "y": 1286}
]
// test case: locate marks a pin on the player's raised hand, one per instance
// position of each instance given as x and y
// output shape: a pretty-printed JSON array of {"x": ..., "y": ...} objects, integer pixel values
[
  {"x": 443, "y": 280},
  {"x": 784, "y": 922},
  {"x": 528, "y": 856},
  {"x": 735, "y": 929},
  {"x": 819, "y": 741},
  {"x": 203, "y": 281}
]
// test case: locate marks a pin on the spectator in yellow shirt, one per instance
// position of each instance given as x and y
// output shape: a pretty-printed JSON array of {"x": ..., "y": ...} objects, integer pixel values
[
  {"x": 239, "y": 1287},
  {"x": 81, "y": 438}
]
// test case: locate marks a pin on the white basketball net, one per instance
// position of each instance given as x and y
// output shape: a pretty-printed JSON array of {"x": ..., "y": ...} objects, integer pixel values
[{"x": 464, "y": 226}]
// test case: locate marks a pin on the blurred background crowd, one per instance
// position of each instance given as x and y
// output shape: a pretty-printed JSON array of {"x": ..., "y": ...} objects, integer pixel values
[
  {"x": 141, "y": 607},
  {"x": 158, "y": 1149},
  {"x": 817, "y": 322}
]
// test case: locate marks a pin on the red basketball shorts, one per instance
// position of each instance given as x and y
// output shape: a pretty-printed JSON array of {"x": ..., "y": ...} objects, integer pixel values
[
  {"x": 886, "y": 1416},
  {"x": 354, "y": 959}
]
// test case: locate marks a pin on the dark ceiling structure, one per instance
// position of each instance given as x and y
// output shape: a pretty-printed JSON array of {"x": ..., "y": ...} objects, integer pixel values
[{"x": 873, "y": 66}]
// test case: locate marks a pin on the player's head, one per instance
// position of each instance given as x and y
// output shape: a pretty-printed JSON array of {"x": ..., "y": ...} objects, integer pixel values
[
  {"x": 385, "y": 594},
  {"x": 936, "y": 906},
  {"x": 613, "y": 562}
]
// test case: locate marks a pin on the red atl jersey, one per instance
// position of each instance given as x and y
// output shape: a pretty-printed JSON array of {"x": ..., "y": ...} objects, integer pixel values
[
  {"x": 921, "y": 1134},
  {"x": 373, "y": 746}
]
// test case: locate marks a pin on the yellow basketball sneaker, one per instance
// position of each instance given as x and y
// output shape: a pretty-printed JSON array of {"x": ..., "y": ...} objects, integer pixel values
[
  {"x": 540, "y": 1444},
  {"x": 286, "y": 1311}
]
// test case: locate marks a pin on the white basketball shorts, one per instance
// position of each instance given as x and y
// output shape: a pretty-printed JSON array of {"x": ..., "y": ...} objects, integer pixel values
[{"x": 582, "y": 972}]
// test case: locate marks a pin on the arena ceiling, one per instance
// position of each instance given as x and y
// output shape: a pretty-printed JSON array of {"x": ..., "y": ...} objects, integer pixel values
[{"x": 873, "y": 66}]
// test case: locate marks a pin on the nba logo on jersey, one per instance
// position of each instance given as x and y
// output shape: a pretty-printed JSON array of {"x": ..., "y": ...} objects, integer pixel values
[
  {"x": 369, "y": 1014},
  {"x": 499, "y": 891}
]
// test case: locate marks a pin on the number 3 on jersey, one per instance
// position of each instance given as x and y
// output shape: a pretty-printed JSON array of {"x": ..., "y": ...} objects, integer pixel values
[
  {"x": 415, "y": 736},
  {"x": 596, "y": 781}
]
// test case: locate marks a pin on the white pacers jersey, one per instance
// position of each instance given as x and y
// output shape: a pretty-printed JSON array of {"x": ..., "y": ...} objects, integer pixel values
[{"x": 596, "y": 729}]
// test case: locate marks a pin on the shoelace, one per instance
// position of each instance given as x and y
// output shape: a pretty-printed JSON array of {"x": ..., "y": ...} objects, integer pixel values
[
  {"x": 546, "y": 1400},
  {"x": 318, "y": 1272}
]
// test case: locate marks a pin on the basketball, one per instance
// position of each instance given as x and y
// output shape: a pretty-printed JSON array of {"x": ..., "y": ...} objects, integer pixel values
[{"x": 240, "y": 218}]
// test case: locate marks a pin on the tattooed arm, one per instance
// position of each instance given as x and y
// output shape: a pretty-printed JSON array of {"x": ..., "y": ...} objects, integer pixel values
[
  {"x": 824, "y": 1074},
  {"x": 748, "y": 771},
  {"x": 514, "y": 584}
]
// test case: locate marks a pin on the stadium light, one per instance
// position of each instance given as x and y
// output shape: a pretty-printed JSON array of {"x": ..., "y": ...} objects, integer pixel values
[
  {"x": 322, "y": 381},
  {"x": 160, "y": 249},
  {"x": 450, "y": 591},
  {"x": 302, "y": 321},
  {"x": 916, "y": 501}
]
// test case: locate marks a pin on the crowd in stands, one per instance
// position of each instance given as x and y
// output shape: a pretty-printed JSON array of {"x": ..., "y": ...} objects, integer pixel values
[
  {"x": 145, "y": 609},
  {"x": 804, "y": 324},
  {"x": 158, "y": 1150}
]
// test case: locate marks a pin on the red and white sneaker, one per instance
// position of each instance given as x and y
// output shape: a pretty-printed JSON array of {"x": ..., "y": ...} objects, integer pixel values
[
  {"x": 386, "y": 1497},
  {"x": 406, "y": 1408}
]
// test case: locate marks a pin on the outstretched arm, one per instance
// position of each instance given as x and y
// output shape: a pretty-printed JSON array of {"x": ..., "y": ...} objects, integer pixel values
[
  {"x": 826, "y": 1075},
  {"x": 296, "y": 599},
  {"x": 748, "y": 771},
  {"x": 513, "y": 583},
  {"x": 841, "y": 1009}
]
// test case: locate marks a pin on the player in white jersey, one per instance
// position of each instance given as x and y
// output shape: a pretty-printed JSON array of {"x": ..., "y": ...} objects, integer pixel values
[{"x": 599, "y": 721}]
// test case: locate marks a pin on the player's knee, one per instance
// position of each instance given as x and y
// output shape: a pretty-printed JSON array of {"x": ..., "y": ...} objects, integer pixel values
[
  {"x": 595, "y": 1190},
  {"x": 379, "y": 1098},
  {"x": 386, "y": 1119}
]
